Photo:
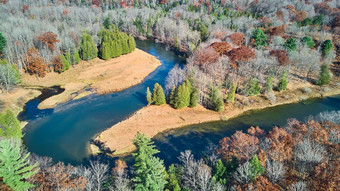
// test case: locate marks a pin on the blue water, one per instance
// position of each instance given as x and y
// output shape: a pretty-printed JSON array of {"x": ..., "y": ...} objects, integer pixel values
[{"x": 63, "y": 133}]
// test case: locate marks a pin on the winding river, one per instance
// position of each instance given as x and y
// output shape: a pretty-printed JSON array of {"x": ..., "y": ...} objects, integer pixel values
[{"x": 63, "y": 133}]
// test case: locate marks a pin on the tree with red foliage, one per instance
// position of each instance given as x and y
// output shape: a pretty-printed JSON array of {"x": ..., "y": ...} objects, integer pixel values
[
  {"x": 35, "y": 64},
  {"x": 57, "y": 64},
  {"x": 281, "y": 56},
  {"x": 98, "y": 3},
  {"x": 221, "y": 47},
  {"x": 49, "y": 39},
  {"x": 277, "y": 31},
  {"x": 205, "y": 55},
  {"x": 241, "y": 54},
  {"x": 242, "y": 145},
  {"x": 237, "y": 38},
  {"x": 281, "y": 143}
]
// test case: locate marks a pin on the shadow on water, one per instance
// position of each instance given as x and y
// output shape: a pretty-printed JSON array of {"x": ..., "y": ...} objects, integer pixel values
[{"x": 63, "y": 133}]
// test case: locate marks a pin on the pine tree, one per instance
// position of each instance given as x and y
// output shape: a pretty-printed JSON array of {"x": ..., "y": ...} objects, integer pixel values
[
  {"x": 269, "y": 84},
  {"x": 66, "y": 64},
  {"x": 150, "y": 171},
  {"x": 290, "y": 44},
  {"x": 132, "y": 43},
  {"x": 172, "y": 96},
  {"x": 253, "y": 87},
  {"x": 257, "y": 169},
  {"x": 283, "y": 83},
  {"x": 88, "y": 49},
  {"x": 11, "y": 127},
  {"x": 125, "y": 45},
  {"x": 194, "y": 98},
  {"x": 232, "y": 93},
  {"x": 308, "y": 41},
  {"x": 187, "y": 92},
  {"x": 76, "y": 57},
  {"x": 172, "y": 179},
  {"x": 3, "y": 43},
  {"x": 68, "y": 57},
  {"x": 158, "y": 95},
  {"x": 217, "y": 99},
  {"x": 326, "y": 47},
  {"x": 324, "y": 76},
  {"x": 180, "y": 98},
  {"x": 148, "y": 96},
  {"x": 14, "y": 166},
  {"x": 105, "y": 51},
  {"x": 260, "y": 38},
  {"x": 219, "y": 172}
]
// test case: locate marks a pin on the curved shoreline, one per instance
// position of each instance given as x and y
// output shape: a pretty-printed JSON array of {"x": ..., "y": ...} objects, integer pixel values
[
  {"x": 96, "y": 76},
  {"x": 152, "y": 120}
]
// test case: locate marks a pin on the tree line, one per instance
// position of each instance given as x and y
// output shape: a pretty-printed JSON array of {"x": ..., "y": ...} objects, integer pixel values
[{"x": 292, "y": 157}]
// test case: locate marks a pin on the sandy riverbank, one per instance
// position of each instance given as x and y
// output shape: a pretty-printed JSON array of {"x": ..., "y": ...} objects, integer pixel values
[
  {"x": 101, "y": 76},
  {"x": 151, "y": 120}
]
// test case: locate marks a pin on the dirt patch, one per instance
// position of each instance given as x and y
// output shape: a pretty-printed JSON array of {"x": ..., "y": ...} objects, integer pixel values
[
  {"x": 152, "y": 120},
  {"x": 104, "y": 76}
]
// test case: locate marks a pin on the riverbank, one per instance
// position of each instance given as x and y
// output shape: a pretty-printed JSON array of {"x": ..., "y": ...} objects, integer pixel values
[
  {"x": 152, "y": 120},
  {"x": 96, "y": 76}
]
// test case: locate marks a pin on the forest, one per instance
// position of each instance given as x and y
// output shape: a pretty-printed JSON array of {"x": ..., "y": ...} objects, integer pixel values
[{"x": 234, "y": 50}]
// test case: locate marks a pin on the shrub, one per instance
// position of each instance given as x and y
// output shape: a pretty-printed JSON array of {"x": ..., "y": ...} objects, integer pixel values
[
  {"x": 253, "y": 88},
  {"x": 283, "y": 83}
]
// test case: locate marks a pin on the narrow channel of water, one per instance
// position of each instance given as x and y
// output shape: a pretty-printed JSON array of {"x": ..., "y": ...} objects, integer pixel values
[
  {"x": 198, "y": 137},
  {"x": 63, "y": 133}
]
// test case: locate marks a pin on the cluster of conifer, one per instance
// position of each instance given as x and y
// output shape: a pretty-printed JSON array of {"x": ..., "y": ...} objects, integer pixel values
[{"x": 114, "y": 43}]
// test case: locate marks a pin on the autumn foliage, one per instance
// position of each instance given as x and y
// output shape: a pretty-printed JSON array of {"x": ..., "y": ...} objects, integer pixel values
[
  {"x": 241, "y": 54},
  {"x": 221, "y": 47},
  {"x": 281, "y": 56},
  {"x": 49, "y": 39},
  {"x": 237, "y": 38},
  {"x": 206, "y": 55},
  {"x": 35, "y": 64}
]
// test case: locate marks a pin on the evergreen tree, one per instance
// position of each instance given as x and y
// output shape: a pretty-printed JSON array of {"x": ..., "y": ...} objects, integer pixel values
[
  {"x": 187, "y": 92},
  {"x": 105, "y": 51},
  {"x": 172, "y": 96},
  {"x": 150, "y": 171},
  {"x": 172, "y": 179},
  {"x": 107, "y": 23},
  {"x": 66, "y": 64},
  {"x": 253, "y": 87},
  {"x": 3, "y": 43},
  {"x": 219, "y": 172},
  {"x": 10, "y": 125},
  {"x": 217, "y": 99},
  {"x": 269, "y": 84},
  {"x": 148, "y": 96},
  {"x": 308, "y": 41},
  {"x": 290, "y": 44},
  {"x": 88, "y": 49},
  {"x": 324, "y": 76},
  {"x": 14, "y": 166},
  {"x": 75, "y": 57},
  {"x": 326, "y": 47},
  {"x": 232, "y": 93},
  {"x": 260, "y": 38},
  {"x": 283, "y": 83},
  {"x": 132, "y": 43},
  {"x": 181, "y": 97},
  {"x": 125, "y": 44},
  {"x": 158, "y": 95},
  {"x": 194, "y": 98},
  {"x": 68, "y": 57},
  {"x": 256, "y": 167}
]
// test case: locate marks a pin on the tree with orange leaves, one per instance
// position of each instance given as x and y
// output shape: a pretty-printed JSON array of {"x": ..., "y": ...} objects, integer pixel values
[
  {"x": 49, "y": 39},
  {"x": 242, "y": 145},
  {"x": 241, "y": 54},
  {"x": 35, "y": 64}
]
